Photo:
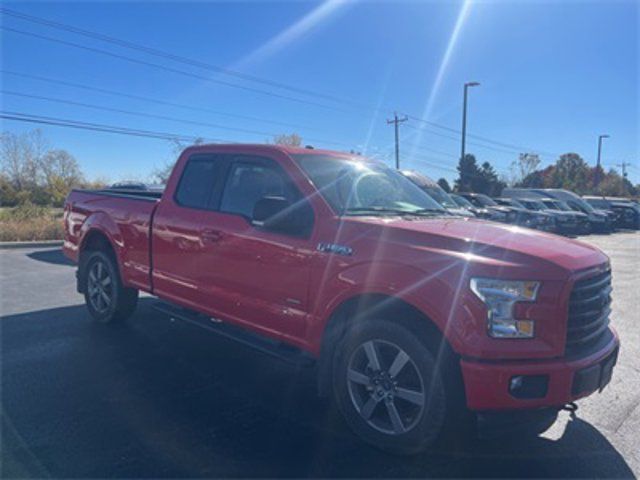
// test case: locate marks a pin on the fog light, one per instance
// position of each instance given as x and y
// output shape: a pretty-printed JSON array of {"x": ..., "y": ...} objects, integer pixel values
[{"x": 529, "y": 386}]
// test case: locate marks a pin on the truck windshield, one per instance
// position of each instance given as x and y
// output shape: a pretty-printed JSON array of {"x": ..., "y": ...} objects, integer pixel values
[
  {"x": 533, "y": 205},
  {"x": 556, "y": 205},
  {"x": 461, "y": 201},
  {"x": 353, "y": 186}
]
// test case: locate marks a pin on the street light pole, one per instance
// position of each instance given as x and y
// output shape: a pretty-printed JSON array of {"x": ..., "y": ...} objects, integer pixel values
[
  {"x": 600, "y": 137},
  {"x": 464, "y": 116}
]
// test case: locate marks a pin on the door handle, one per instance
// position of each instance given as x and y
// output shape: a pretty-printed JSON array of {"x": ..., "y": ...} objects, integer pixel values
[{"x": 211, "y": 236}]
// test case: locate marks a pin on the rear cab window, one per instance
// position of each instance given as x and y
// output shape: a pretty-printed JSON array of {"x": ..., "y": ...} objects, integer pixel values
[{"x": 201, "y": 176}]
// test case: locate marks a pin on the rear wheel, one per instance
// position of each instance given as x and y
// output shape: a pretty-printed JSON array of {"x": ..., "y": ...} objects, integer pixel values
[
  {"x": 106, "y": 298},
  {"x": 388, "y": 388}
]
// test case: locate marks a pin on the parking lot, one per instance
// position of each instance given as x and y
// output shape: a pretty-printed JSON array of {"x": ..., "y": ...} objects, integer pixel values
[{"x": 159, "y": 398}]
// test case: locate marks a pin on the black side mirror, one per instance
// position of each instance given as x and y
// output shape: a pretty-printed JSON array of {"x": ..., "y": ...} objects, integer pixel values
[{"x": 277, "y": 214}]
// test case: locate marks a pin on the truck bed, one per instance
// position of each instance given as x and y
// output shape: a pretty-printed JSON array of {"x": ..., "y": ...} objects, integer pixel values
[{"x": 124, "y": 217}]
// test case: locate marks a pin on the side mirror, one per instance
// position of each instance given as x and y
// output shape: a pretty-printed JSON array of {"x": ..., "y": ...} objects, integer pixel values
[
  {"x": 267, "y": 209},
  {"x": 277, "y": 214}
]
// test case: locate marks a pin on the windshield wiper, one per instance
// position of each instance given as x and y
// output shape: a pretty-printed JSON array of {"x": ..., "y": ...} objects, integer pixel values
[
  {"x": 392, "y": 211},
  {"x": 431, "y": 211}
]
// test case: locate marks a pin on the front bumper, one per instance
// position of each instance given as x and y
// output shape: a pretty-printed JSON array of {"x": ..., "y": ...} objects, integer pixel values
[{"x": 487, "y": 383}]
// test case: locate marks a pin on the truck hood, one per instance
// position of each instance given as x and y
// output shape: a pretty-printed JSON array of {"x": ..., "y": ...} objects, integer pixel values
[{"x": 487, "y": 242}]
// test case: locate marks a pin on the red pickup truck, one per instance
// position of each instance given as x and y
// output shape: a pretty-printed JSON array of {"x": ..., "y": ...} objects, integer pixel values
[{"x": 413, "y": 318}]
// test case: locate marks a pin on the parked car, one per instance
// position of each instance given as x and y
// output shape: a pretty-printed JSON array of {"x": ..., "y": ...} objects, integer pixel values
[
  {"x": 465, "y": 204},
  {"x": 599, "y": 221},
  {"x": 567, "y": 222},
  {"x": 416, "y": 321},
  {"x": 436, "y": 192},
  {"x": 627, "y": 214},
  {"x": 527, "y": 217},
  {"x": 584, "y": 225},
  {"x": 485, "y": 207}
]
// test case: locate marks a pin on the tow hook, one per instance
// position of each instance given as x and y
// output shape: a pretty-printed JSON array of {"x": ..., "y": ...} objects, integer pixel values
[{"x": 572, "y": 408}]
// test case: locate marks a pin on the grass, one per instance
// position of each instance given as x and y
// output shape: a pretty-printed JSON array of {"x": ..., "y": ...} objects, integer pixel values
[{"x": 30, "y": 222}]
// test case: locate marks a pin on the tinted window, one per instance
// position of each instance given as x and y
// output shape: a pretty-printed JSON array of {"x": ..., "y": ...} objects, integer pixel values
[
  {"x": 248, "y": 182},
  {"x": 197, "y": 182}
]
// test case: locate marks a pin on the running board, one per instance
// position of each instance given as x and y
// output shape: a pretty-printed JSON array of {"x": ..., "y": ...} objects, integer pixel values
[{"x": 265, "y": 345}]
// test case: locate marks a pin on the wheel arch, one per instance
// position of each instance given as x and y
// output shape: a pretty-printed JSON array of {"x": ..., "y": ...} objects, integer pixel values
[
  {"x": 94, "y": 240},
  {"x": 369, "y": 305}
]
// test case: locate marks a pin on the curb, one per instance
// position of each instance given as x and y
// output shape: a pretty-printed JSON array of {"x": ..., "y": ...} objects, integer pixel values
[{"x": 30, "y": 244}]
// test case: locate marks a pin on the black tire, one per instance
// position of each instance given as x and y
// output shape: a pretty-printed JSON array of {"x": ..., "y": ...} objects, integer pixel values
[
  {"x": 418, "y": 380},
  {"x": 106, "y": 298}
]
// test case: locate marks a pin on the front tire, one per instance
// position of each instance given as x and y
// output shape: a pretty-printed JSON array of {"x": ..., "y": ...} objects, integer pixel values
[
  {"x": 105, "y": 296},
  {"x": 388, "y": 387}
]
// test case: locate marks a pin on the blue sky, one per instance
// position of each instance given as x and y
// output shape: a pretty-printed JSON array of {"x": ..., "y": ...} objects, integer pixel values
[{"x": 553, "y": 74}]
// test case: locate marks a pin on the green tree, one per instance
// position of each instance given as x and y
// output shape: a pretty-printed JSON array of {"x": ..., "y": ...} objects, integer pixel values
[
  {"x": 444, "y": 185},
  {"x": 8, "y": 194},
  {"x": 468, "y": 172},
  {"x": 488, "y": 181},
  {"x": 571, "y": 172}
]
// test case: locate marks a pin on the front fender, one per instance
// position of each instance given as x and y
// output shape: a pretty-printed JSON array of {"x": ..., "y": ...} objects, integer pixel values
[{"x": 430, "y": 294}]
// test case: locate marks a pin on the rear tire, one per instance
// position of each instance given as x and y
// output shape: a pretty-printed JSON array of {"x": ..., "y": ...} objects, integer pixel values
[
  {"x": 387, "y": 386},
  {"x": 105, "y": 296}
]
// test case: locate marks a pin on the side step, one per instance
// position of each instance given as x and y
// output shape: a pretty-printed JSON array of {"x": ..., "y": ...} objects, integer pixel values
[{"x": 265, "y": 345}]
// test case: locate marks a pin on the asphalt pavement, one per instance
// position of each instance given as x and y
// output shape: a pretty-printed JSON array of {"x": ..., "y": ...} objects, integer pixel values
[{"x": 159, "y": 398}]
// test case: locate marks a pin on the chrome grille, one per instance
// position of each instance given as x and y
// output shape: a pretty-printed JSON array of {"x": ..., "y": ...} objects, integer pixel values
[{"x": 589, "y": 309}]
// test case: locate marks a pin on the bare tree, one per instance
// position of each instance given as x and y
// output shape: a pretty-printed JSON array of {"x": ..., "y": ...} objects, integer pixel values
[
  {"x": 21, "y": 156},
  {"x": 162, "y": 174},
  {"x": 61, "y": 173},
  {"x": 61, "y": 164},
  {"x": 292, "y": 140},
  {"x": 526, "y": 164}
]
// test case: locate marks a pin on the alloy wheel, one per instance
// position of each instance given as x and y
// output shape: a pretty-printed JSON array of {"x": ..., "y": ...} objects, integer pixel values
[
  {"x": 386, "y": 387},
  {"x": 100, "y": 287}
]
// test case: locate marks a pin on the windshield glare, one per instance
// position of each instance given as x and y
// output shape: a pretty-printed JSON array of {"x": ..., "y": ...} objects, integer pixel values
[{"x": 353, "y": 185}]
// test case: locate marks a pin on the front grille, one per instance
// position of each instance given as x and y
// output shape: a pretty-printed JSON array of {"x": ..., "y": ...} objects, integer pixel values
[{"x": 589, "y": 309}]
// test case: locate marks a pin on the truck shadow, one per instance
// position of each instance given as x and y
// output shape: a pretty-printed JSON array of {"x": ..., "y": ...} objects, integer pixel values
[
  {"x": 158, "y": 398},
  {"x": 53, "y": 256}
]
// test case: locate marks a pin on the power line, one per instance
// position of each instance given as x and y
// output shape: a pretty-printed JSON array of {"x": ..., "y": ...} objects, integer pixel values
[
  {"x": 487, "y": 147},
  {"x": 168, "y": 69},
  {"x": 161, "y": 53},
  {"x": 61, "y": 122},
  {"x": 200, "y": 64},
  {"x": 151, "y": 100},
  {"x": 127, "y": 131},
  {"x": 149, "y": 115}
]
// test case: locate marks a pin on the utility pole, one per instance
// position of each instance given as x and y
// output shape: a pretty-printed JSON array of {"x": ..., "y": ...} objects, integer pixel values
[
  {"x": 396, "y": 121},
  {"x": 600, "y": 137},
  {"x": 464, "y": 116},
  {"x": 624, "y": 166}
]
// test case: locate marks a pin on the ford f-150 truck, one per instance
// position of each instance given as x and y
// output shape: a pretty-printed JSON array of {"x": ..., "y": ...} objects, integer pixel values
[{"x": 413, "y": 319}]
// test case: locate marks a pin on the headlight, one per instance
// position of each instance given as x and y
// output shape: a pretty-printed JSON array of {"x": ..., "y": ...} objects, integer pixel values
[{"x": 500, "y": 296}]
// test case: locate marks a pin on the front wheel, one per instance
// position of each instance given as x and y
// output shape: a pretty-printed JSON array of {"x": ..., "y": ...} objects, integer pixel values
[
  {"x": 388, "y": 387},
  {"x": 106, "y": 298}
]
